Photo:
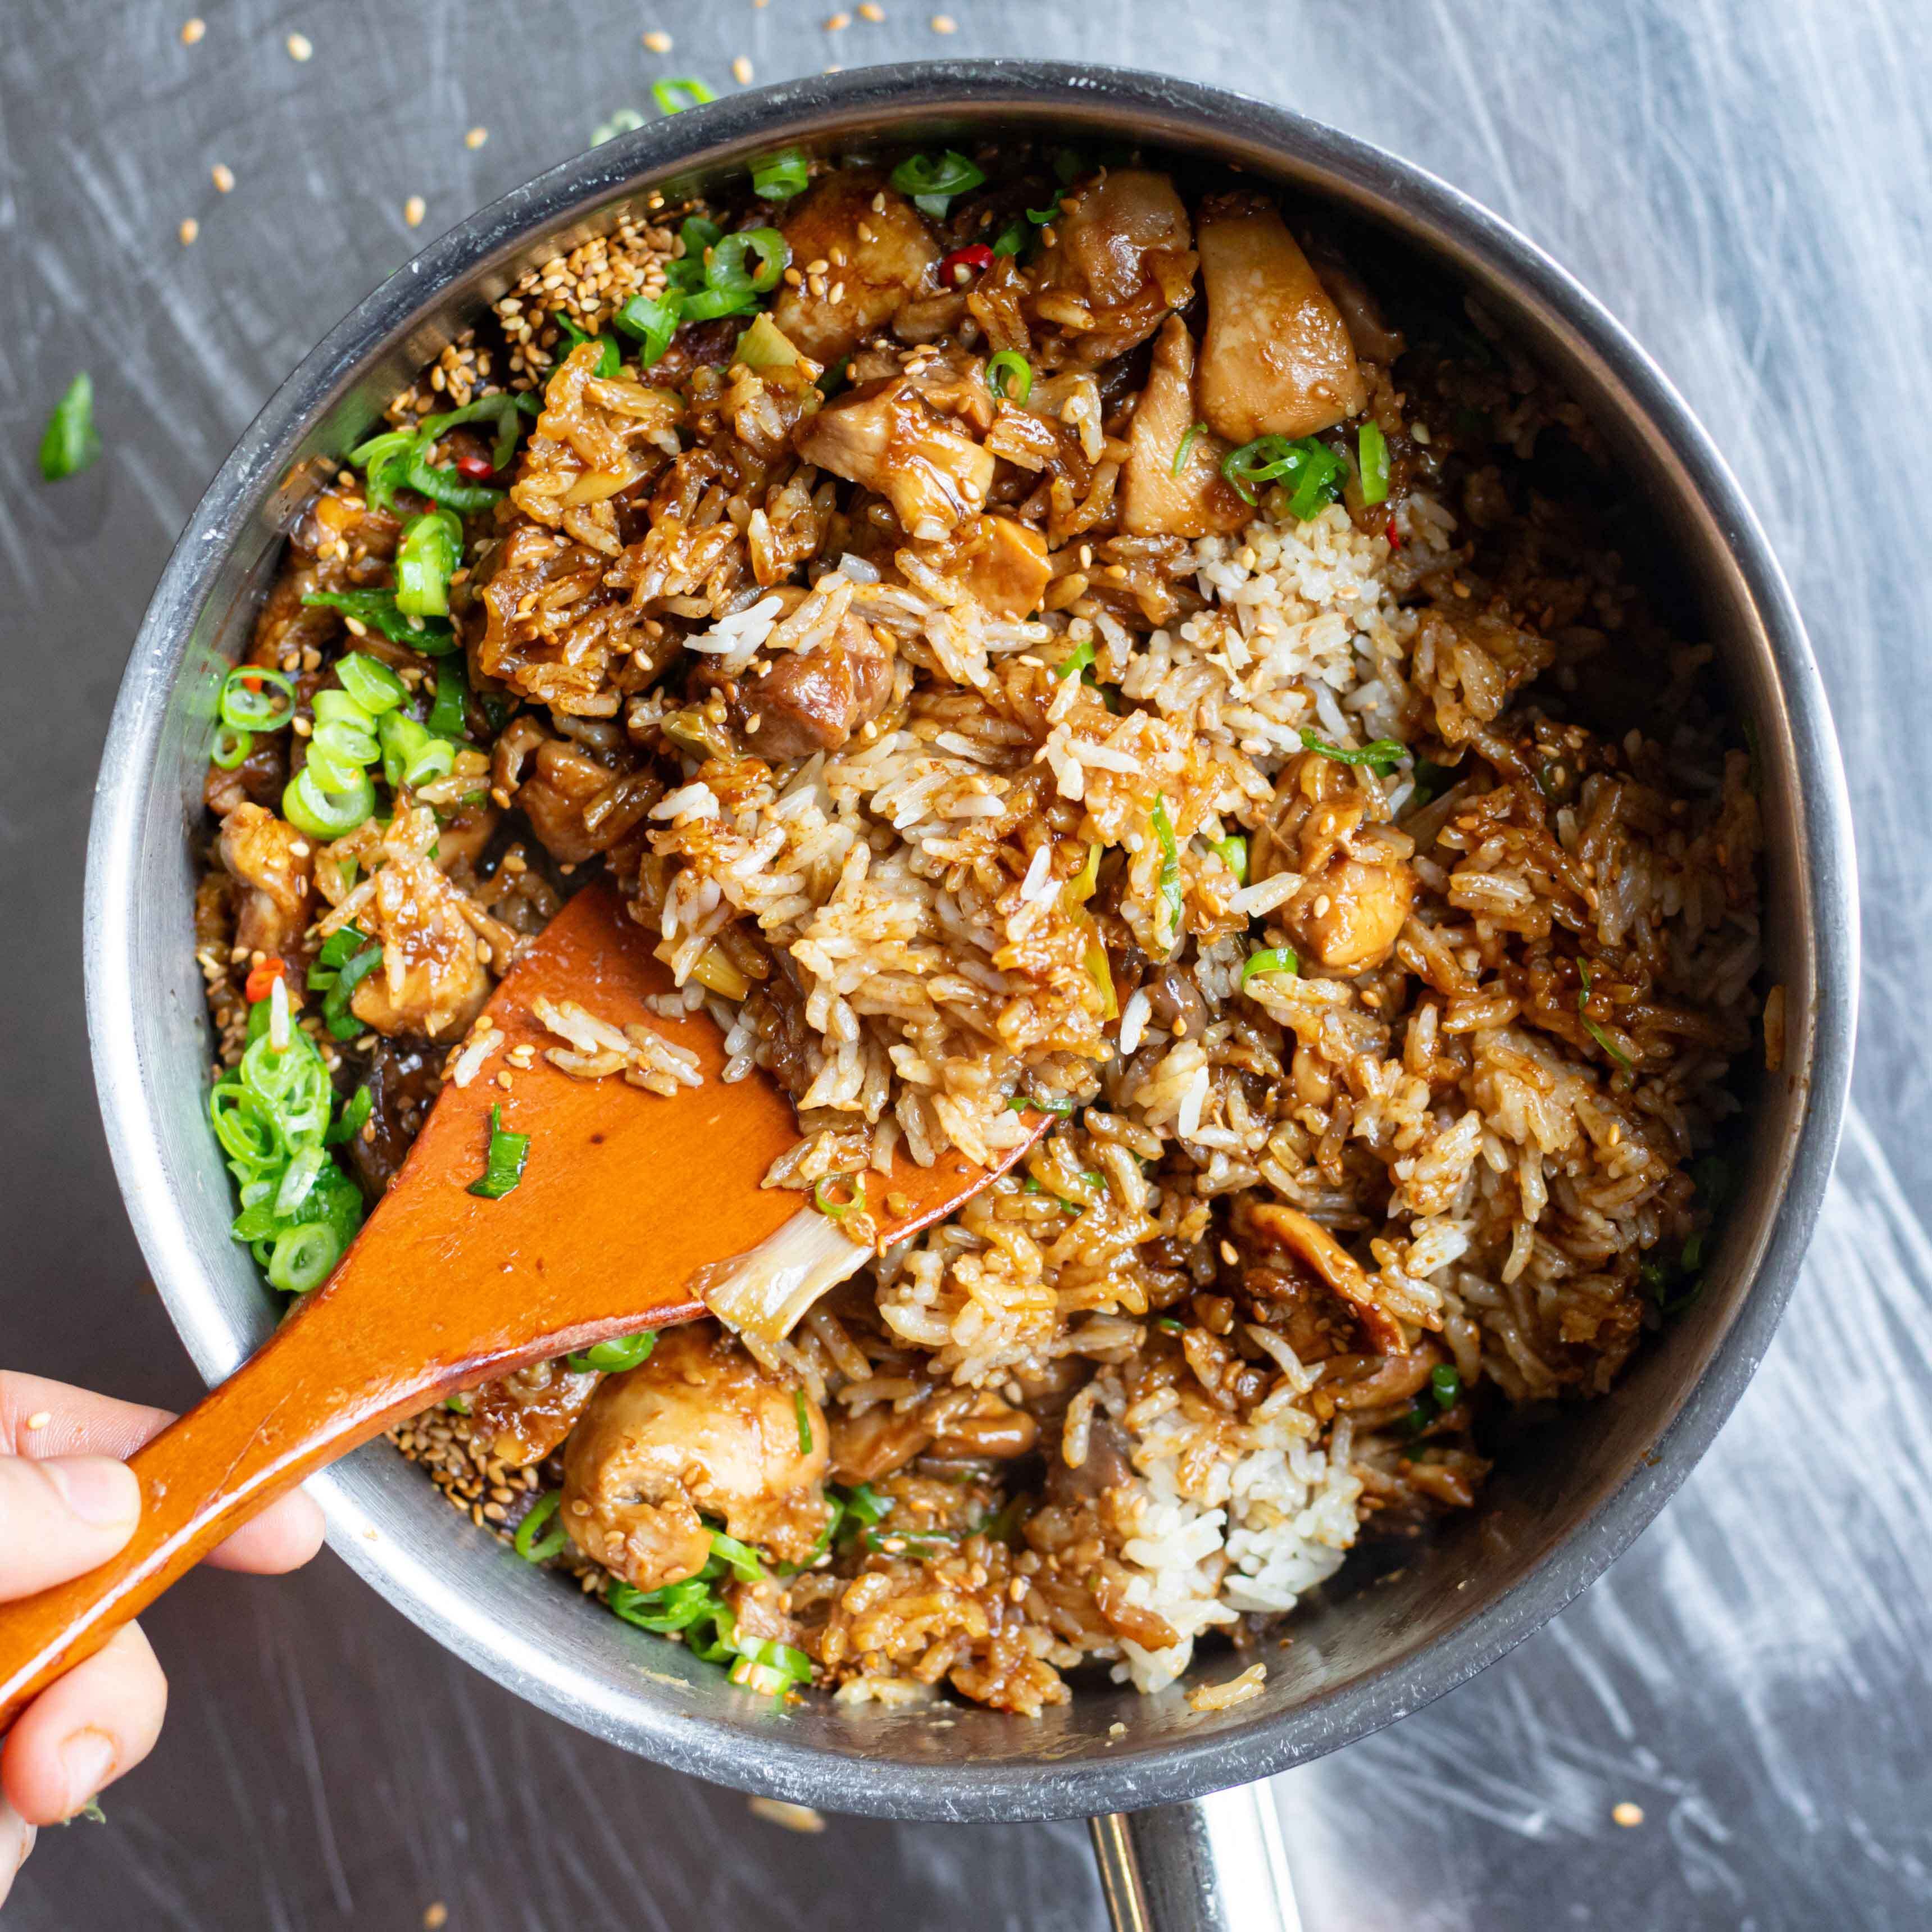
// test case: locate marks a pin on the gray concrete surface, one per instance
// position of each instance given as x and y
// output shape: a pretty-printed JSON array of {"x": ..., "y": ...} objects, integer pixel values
[{"x": 1748, "y": 184}]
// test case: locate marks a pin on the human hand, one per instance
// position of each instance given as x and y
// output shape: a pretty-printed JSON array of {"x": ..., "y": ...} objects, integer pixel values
[{"x": 67, "y": 1503}]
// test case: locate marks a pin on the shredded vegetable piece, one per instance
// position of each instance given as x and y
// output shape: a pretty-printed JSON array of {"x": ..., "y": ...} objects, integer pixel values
[
  {"x": 503, "y": 1165},
  {"x": 1184, "y": 447},
  {"x": 1382, "y": 757},
  {"x": 804, "y": 1422},
  {"x": 526, "y": 1542},
  {"x": 70, "y": 441},
  {"x": 1173, "y": 903},
  {"x": 614, "y": 1356},
  {"x": 1372, "y": 458},
  {"x": 1275, "y": 959},
  {"x": 1598, "y": 1033}
]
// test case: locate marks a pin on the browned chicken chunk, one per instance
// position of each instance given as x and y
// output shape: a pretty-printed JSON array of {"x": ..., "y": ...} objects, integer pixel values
[
  {"x": 1193, "y": 499},
  {"x": 887, "y": 436},
  {"x": 273, "y": 863},
  {"x": 521, "y": 1419},
  {"x": 1007, "y": 568},
  {"x": 877, "y": 251},
  {"x": 699, "y": 1429},
  {"x": 813, "y": 700},
  {"x": 1277, "y": 360},
  {"x": 1123, "y": 256}
]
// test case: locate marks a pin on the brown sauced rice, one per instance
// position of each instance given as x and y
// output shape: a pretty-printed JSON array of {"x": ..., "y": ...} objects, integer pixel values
[{"x": 1366, "y": 880}]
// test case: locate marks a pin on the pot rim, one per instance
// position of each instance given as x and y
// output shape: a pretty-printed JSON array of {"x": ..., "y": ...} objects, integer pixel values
[{"x": 1164, "y": 111}]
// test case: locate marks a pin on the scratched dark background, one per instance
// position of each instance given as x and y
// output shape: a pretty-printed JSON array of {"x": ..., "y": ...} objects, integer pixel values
[{"x": 1748, "y": 184}]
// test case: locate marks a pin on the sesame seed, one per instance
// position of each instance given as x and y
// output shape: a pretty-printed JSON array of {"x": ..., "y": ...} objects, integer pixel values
[
  {"x": 741, "y": 71},
  {"x": 837, "y": 23},
  {"x": 1627, "y": 1814},
  {"x": 188, "y": 230},
  {"x": 223, "y": 176},
  {"x": 436, "y": 1917},
  {"x": 944, "y": 23},
  {"x": 476, "y": 137},
  {"x": 658, "y": 41},
  {"x": 40, "y": 1418},
  {"x": 868, "y": 11},
  {"x": 192, "y": 30},
  {"x": 300, "y": 47},
  {"x": 414, "y": 209}
]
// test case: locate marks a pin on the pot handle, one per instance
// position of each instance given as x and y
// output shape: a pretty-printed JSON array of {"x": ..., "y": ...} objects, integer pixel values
[{"x": 1214, "y": 1865}]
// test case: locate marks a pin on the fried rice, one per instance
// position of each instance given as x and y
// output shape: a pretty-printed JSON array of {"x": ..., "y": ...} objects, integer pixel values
[{"x": 998, "y": 694}]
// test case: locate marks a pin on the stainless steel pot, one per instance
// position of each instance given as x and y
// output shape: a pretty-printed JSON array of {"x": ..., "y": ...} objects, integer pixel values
[{"x": 1553, "y": 1519}]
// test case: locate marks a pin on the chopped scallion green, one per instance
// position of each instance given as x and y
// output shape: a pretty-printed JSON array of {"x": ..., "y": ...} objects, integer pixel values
[
  {"x": 1599, "y": 1034},
  {"x": 1382, "y": 757},
  {"x": 1233, "y": 853},
  {"x": 674, "y": 95},
  {"x": 1010, "y": 376},
  {"x": 1372, "y": 458},
  {"x": 804, "y": 1421},
  {"x": 1172, "y": 900},
  {"x": 1184, "y": 448},
  {"x": 1275, "y": 959},
  {"x": 528, "y": 1542},
  {"x": 614, "y": 1356},
  {"x": 782, "y": 175},
  {"x": 933, "y": 180},
  {"x": 70, "y": 441},
  {"x": 503, "y": 1165}
]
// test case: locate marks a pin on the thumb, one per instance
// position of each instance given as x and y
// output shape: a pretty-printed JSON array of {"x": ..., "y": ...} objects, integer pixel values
[{"x": 61, "y": 1515}]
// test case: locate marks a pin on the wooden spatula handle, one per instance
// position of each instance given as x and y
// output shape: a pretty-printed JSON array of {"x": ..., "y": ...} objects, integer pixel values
[{"x": 299, "y": 1403}]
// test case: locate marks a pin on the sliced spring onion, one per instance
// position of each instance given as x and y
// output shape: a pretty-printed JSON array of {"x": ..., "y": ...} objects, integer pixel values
[
  {"x": 304, "y": 1257},
  {"x": 446, "y": 487},
  {"x": 386, "y": 460},
  {"x": 1596, "y": 1032},
  {"x": 1233, "y": 853},
  {"x": 1102, "y": 974},
  {"x": 1173, "y": 903},
  {"x": 1173, "y": 1328},
  {"x": 1076, "y": 660},
  {"x": 249, "y": 699},
  {"x": 782, "y": 176},
  {"x": 231, "y": 746},
  {"x": 1061, "y": 1104},
  {"x": 740, "y": 1558},
  {"x": 804, "y": 1421},
  {"x": 1010, "y": 376},
  {"x": 376, "y": 610},
  {"x": 1184, "y": 448},
  {"x": 769, "y": 1667},
  {"x": 1274, "y": 959},
  {"x": 431, "y": 546},
  {"x": 503, "y": 1164},
  {"x": 1311, "y": 471},
  {"x": 614, "y": 1356},
  {"x": 1445, "y": 1383},
  {"x": 411, "y": 753},
  {"x": 837, "y": 1210},
  {"x": 1012, "y": 238},
  {"x": 933, "y": 180},
  {"x": 674, "y": 95},
  {"x": 507, "y": 411},
  {"x": 336, "y": 1015},
  {"x": 1372, "y": 458},
  {"x": 71, "y": 442},
  {"x": 1382, "y": 757},
  {"x": 350, "y": 1124},
  {"x": 728, "y": 270},
  {"x": 449, "y": 715},
  {"x": 336, "y": 951},
  {"x": 653, "y": 320},
  {"x": 311, "y": 807},
  {"x": 625, "y": 121},
  {"x": 528, "y": 1542}
]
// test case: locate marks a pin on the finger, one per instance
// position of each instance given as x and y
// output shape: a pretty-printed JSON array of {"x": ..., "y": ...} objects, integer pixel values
[
  {"x": 17, "y": 1840},
  {"x": 61, "y": 1517},
  {"x": 100, "y": 1720},
  {"x": 41, "y": 1418},
  {"x": 283, "y": 1536}
]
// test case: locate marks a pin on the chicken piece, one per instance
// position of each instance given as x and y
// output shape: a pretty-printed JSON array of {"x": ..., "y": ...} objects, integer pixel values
[
  {"x": 879, "y": 251},
  {"x": 961, "y": 1425},
  {"x": 1122, "y": 257},
  {"x": 432, "y": 982},
  {"x": 813, "y": 700},
  {"x": 699, "y": 1427},
  {"x": 889, "y": 437},
  {"x": 1199, "y": 502},
  {"x": 1270, "y": 1224},
  {"x": 1358, "y": 884},
  {"x": 1006, "y": 568},
  {"x": 521, "y": 1419},
  {"x": 272, "y": 860},
  {"x": 1348, "y": 917},
  {"x": 1277, "y": 360}
]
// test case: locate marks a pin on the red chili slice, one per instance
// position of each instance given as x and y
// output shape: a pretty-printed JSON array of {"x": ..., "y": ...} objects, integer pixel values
[
  {"x": 261, "y": 979},
  {"x": 1394, "y": 535},
  {"x": 978, "y": 257},
  {"x": 475, "y": 467}
]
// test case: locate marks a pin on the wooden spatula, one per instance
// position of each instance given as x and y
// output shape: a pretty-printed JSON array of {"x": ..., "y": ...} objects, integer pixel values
[{"x": 626, "y": 1198}]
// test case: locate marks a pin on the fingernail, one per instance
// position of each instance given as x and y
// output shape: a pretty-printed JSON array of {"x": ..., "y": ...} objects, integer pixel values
[
  {"x": 87, "y": 1759},
  {"x": 98, "y": 1490}
]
